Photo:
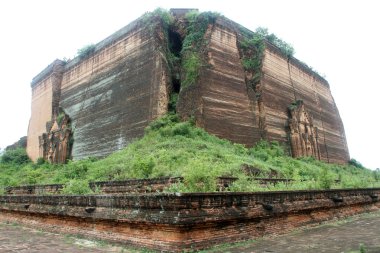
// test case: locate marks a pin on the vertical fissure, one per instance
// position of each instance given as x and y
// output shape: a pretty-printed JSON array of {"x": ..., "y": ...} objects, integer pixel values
[{"x": 175, "y": 48}]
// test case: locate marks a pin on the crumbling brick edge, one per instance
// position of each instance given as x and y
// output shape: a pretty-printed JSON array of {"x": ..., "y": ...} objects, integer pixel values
[{"x": 186, "y": 221}]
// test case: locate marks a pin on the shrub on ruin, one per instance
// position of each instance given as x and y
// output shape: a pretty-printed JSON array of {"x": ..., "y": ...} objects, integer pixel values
[
  {"x": 77, "y": 187},
  {"x": 86, "y": 51},
  {"x": 326, "y": 179}
]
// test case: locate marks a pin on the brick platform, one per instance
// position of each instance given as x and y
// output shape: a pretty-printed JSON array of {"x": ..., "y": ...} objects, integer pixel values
[{"x": 177, "y": 222}]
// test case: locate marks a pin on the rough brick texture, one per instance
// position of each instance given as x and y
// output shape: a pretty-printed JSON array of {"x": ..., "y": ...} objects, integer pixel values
[
  {"x": 176, "y": 222},
  {"x": 110, "y": 96},
  {"x": 153, "y": 185},
  {"x": 113, "y": 94}
]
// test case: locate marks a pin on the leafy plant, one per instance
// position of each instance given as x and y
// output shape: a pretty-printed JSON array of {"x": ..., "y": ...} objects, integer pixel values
[
  {"x": 164, "y": 15},
  {"x": 295, "y": 104},
  {"x": 284, "y": 47},
  {"x": 362, "y": 248},
  {"x": 142, "y": 167},
  {"x": 173, "y": 102},
  {"x": 16, "y": 156},
  {"x": 252, "y": 50},
  {"x": 193, "y": 44},
  {"x": 60, "y": 117},
  {"x": 326, "y": 178},
  {"x": 40, "y": 161},
  {"x": 376, "y": 174},
  {"x": 86, "y": 51},
  {"x": 77, "y": 187},
  {"x": 191, "y": 64}
]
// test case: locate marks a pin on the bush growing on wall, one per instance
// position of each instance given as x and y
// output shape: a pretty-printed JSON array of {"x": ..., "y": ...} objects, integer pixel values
[
  {"x": 284, "y": 47},
  {"x": 193, "y": 44},
  {"x": 77, "y": 187},
  {"x": 86, "y": 51},
  {"x": 326, "y": 179}
]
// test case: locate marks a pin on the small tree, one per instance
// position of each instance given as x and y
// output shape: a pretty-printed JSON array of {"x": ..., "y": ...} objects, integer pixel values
[
  {"x": 376, "y": 174},
  {"x": 15, "y": 156},
  {"x": 325, "y": 179}
]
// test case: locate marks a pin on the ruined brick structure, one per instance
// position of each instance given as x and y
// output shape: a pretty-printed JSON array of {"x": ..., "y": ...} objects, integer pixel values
[
  {"x": 55, "y": 144},
  {"x": 110, "y": 96},
  {"x": 188, "y": 221},
  {"x": 303, "y": 134}
]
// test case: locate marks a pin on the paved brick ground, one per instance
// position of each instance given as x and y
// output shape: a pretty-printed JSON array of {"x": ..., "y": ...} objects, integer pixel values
[
  {"x": 332, "y": 237},
  {"x": 343, "y": 236},
  {"x": 15, "y": 238}
]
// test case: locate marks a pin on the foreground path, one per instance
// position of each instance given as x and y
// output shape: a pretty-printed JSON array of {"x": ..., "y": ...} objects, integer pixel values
[
  {"x": 15, "y": 238},
  {"x": 335, "y": 237},
  {"x": 342, "y": 236}
]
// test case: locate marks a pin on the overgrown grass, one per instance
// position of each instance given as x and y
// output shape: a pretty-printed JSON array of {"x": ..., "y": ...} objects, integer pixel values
[{"x": 174, "y": 148}]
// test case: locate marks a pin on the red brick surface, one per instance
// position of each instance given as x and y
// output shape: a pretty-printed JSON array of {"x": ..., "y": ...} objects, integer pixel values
[{"x": 177, "y": 222}]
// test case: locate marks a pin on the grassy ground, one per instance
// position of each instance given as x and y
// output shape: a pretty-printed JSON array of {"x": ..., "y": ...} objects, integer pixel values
[{"x": 174, "y": 148}]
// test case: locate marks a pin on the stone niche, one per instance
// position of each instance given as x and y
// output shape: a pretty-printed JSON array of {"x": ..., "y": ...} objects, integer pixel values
[
  {"x": 303, "y": 134},
  {"x": 55, "y": 144}
]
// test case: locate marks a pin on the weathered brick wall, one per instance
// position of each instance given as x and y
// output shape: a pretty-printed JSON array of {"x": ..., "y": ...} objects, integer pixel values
[
  {"x": 176, "y": 222},
  {"x": 104, "y": 187},
  {"x": 224, "y": 103},
  {"x": 227, "y": 109},
  {"x": 285, "y": 81},
  {"x": 135, "y": 185},
  {"x": 113, "y": 94},
  {"x": 45, "y": 99},
  {"x": 153, "y": 185},
  {"x": 110, "y": 96},
  {"x": 34, "y": 189}
]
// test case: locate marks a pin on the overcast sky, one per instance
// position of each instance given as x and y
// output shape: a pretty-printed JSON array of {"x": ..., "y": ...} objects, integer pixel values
[{"x": 340, "y": 39}]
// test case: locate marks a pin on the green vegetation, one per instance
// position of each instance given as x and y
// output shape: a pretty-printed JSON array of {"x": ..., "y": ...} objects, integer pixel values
[
  {"x": 191, "y": 65},
  {"x": 60, "y": 117},
  {"x": 164, "y": 15},
  {"x": 15, "y": 157},
  {"x": 173, "y": 102},
  {"x": 284, "y": 47},
  {"x": 295, "y": 104},
  {"x": 21, "y": 143},
  {"x": 174, "y": 148},
  {"x": 193, "y": 44},
  {"x": 355, "y": 163},
  {"x": 166, "y": 19},
  {"x": 252, "y": 49},
  {"x": 86, "y": 51}
]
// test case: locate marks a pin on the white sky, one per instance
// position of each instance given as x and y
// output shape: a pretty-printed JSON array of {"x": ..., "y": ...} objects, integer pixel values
[{"x": 339, "y": 39}]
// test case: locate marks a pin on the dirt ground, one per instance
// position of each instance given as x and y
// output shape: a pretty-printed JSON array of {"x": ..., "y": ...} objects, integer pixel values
[{"x": 336, "y": 236}]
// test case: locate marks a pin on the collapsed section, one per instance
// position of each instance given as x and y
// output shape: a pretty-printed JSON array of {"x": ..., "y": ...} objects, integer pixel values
[{"x": 56, "y": 143}]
